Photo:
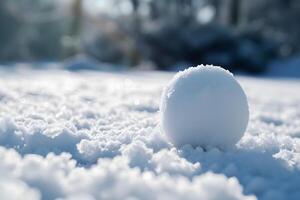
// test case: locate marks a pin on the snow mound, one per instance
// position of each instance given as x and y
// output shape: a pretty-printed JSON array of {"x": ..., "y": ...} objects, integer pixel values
[
  {"x": 57, "y": 177},
  {"x": 204, "y": 106}
]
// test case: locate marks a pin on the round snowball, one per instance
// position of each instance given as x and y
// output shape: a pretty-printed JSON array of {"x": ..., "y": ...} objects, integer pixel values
[{"x": 204, "y": 106}]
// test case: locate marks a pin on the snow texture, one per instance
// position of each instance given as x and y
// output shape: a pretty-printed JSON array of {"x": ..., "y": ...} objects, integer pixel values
[
  {"x": 93, "y": 135},
  {"x": 204, "y": 106}
]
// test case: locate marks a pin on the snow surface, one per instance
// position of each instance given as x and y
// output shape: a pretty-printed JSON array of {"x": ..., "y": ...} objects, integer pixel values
[
  {"x": 93, "y": 135},
  {"x": 204, "y": 106}
]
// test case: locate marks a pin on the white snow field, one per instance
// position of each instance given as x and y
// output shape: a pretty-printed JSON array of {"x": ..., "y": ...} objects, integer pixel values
[{"x": 95, "y": 135}]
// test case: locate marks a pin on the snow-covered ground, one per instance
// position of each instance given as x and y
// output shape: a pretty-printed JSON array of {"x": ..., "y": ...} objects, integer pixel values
[{"x": 96, "y": 135}]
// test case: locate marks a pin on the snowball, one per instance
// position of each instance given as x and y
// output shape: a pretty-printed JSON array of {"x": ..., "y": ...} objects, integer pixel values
[{"x": 204, "y": 106}]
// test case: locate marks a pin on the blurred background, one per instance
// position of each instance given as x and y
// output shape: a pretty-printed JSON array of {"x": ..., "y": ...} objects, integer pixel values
[{"x": 254, "y": 37}]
